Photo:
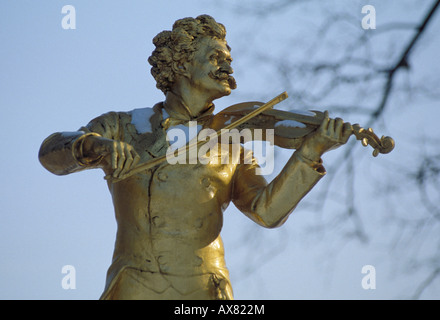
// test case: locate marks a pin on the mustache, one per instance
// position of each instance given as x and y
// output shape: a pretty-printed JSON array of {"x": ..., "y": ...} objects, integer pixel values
[{"x": 224, "y": 75}]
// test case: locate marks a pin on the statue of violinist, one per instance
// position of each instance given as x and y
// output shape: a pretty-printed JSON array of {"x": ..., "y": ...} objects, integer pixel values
[{"x": 169, "y": 216}]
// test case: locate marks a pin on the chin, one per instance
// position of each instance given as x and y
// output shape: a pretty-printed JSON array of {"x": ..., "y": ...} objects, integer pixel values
[
  {"x": 228, "y": 87},
  {"x": 225, "y": 92},
  {"x": 228, "y": 91}
]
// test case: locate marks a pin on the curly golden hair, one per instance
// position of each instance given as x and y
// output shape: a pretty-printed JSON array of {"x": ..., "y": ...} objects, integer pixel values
[{"x": 178, "y": 46}]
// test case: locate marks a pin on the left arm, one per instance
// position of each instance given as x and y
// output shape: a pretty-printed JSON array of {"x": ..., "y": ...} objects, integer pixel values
[{"x": 270, "y": 204}]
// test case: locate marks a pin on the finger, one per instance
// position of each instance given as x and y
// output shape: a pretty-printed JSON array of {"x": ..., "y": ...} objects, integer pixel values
[
  {"x": 121, "y": 159},
  {"x": 347, "y": 131},
  {"x": 136, "y": 158},
  {"x": 325, "y": 122},
  {"x": 331, "y": 128},
  {"x": 339, "y": 123},
  {"x": 132, "y": 159},
  {"x": 128, "y": 160},
  {"x": 114, "y": 156}
]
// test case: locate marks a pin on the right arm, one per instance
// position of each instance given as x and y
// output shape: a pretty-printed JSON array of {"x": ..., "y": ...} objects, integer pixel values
[{"x": 96, "y": 145}]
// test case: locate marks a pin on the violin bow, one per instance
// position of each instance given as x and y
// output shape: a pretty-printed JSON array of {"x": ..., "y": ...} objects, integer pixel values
[
  {"x": 366, "y": 136},
  {"x": 150, "y": 164}
]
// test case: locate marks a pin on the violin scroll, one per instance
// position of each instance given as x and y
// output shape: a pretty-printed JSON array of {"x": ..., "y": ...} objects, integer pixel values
[{"x": 368, "y": 137}]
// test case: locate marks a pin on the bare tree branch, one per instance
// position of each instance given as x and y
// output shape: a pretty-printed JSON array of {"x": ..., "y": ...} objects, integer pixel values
[
  {"x": 321, "y": 79},
  {"x": 425, "y": 284},
  {"x": 401, "y": 63}
]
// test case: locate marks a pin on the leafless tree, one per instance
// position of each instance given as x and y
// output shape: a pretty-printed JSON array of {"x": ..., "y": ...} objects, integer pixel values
[{"x": 325, "y": 60}]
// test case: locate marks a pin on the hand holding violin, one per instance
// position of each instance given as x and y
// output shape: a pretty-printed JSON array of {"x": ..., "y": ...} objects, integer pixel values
[{"x": 331, "y": 134}]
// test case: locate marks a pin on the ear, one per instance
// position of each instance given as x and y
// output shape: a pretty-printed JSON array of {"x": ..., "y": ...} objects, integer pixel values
[{"x": 181, "y": 69}]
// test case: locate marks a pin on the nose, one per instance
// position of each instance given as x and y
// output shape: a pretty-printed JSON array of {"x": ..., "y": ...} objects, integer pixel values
[{"x": 226, "y": 67}]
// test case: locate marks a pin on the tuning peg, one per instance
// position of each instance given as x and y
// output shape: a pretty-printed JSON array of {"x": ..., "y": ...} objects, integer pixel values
[{"x": 364, "y": 142}]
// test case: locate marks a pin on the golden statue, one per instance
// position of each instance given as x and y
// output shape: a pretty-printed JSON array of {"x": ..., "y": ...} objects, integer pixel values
[{"x": 169, "y": 216}]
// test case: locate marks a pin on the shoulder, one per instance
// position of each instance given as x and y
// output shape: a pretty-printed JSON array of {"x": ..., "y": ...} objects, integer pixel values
[{"x": 140, "y": 118}]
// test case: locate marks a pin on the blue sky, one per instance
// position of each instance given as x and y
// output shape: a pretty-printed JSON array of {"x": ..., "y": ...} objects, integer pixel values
[{"x": 52, "y": 80}]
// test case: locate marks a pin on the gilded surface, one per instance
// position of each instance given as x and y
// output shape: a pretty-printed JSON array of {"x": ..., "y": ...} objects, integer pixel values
[{"x": 169, "y": 218}]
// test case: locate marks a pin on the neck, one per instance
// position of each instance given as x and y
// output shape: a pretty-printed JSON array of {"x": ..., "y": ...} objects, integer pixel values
[{"x": 186, "y": 104}]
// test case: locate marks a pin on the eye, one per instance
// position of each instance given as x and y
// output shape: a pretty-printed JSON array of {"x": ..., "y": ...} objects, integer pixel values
[{"x": 213, "y": 58}]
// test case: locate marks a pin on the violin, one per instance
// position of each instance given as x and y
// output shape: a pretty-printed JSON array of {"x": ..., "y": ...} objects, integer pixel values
[{"x": 290, "y": 128}]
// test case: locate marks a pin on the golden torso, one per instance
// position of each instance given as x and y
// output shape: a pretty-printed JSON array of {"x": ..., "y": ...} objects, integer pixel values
[{"x": 169, "y": 218}]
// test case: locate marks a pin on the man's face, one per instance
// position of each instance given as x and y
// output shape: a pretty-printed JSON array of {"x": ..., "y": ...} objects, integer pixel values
[{"x": 210, "y": 68}]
